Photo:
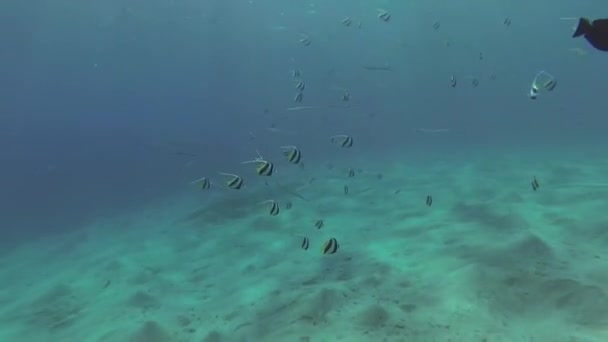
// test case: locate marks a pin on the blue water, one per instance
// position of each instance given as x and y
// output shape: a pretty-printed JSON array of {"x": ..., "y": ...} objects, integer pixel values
[{"x": 107, "y": 107}]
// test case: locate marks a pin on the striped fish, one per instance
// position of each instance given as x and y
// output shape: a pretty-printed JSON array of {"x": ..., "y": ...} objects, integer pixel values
[
  {"x": 234, "y": 182},
  {"x": 293, "y": 154},
  {"x": 331, "y": 246},
  {"x": 342, "y": 140},
  {"x": 203, "y": 183}
]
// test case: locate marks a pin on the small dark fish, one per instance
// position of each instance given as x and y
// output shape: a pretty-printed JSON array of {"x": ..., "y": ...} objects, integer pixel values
[
  {"x": 305, "y": 243},
  {"x": 108, "y": 282},
  {"x": 319, "y": 224},
  {"x": 436, "y": 25},
  {"x": 203, "y": 183},
  {"x": 534, "y": 184},
  {"x": 379, "y": 176},
  {"x": 298, "y": 98},
  {"x": 384, "y": 15},
  {"x": 274, "y": 207},
  {"x": 301, "y": 85},
  {"x": 351, "y": 173},
  {"x": 288, "y": 205},
  {"x": 264, "y": 168},
  {"x": 293, "y": 154},
  {"x": 346, "y": 190},
  {"x": 346, "y": 96},
  {"x": 343, "y": 140},
  {"x": 595, "y": 32},
  {"x": 429, "y": 200},
  {"x": 397, "y": 191},
  {"x": 304, "y": 39},
  {"x": 331, "y": 246},
  {"x": 474, "y": 82},
  {"x": 481, "y": 56},
  {"x": 235, "y": 182}
]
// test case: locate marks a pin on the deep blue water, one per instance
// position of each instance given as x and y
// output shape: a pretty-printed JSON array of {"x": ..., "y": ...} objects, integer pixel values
[{"x": 102, "y": 104}]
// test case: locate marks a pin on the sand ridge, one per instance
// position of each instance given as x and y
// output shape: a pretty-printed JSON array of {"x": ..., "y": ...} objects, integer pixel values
[{"x": 490, "y": 260}]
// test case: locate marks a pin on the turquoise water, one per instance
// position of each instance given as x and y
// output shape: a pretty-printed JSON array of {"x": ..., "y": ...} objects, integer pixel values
[{"x": 463, "y": 211}]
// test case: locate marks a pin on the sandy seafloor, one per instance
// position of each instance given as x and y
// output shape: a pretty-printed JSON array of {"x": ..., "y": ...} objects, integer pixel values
[{"x": 490, "y": 260}]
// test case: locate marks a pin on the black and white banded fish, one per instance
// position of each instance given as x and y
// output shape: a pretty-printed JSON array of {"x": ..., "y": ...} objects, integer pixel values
[
  {"x": 474, "y": 82},
  {"x": 296, "y": 73},
  {"x": 305, "y": 243},
  {"x": 293, "y": 154},
  {"x": 263, "y": 168},
  {"x": 234, "y": 182},
  {"x": 298, "y": 98},
  {"x": 304, "y": 39},
  {"x": 534, "y": 184},
  {"x": 331, "y": 246},
  {"x": 203, "y": 183},
  {"x": 347, "y": 21},
  {"x": 319, "y": 224},
  {"x": 383, "y": 15},
  {"x": 429, "y": 200},
  {"x": 342, "y": 140},
  {"x": 346, "y": 96},
  {"x": 274, "y": 207},
  {"x": 301, "y": 85},
  {"x": 351, "y": 172}
]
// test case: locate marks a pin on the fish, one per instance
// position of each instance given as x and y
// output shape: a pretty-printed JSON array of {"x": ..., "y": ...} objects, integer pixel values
[
  {"x": 507, "y": 22},
  {"x": 204, "y": 183},
  {"x": 264, "y": 167},
  {"x": 347, "y": 21},
  {"x": 293, "y": 154},
  {"x": 235, "y": 182},
  {"x": 304, "y": 39},
  {"x": 305, "y": 243},
  {"x": 436, "y": 25},
  {"x": 474, "y": 81},
  {"x": 288, "y": 205},
  {"x": 331, "y": 246},
  {"x": 296, "y": 73},
  {"x": 274, "y": 207},
  {"x": 542, "y": 81},
  {"x": 429, "y": 200},
  {"x": 298, "y": 98},
  {"x": 343, "y": 140},
  {"x": 301, "y": 85},
  {"x": 453, "y": 81},
  {"x": 383, "y": 15},
  {"x": 346, "y": 191},
  {"x": 319, "y": 224},
  {"x": 346, "y": 96},
  {"x": 351, "y": 173},
  {"x": 534, "y": 184},
  {"x": 595, "y": 32}
]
